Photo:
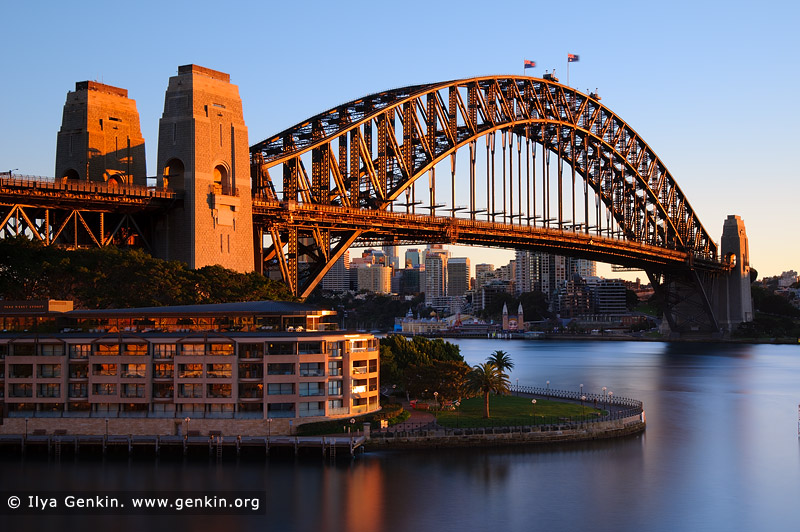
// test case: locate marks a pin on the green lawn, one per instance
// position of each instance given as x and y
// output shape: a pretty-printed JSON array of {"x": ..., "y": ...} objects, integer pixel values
[{"x": 510, "y": 410}]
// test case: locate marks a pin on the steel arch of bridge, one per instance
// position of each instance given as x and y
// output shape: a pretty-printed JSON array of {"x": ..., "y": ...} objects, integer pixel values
[{"x": 366, "y": 153}]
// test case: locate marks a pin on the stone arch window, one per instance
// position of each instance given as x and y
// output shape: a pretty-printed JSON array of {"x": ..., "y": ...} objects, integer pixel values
[
  {"x": 173, "y": 174},
  {"x": 222, "y": 182},
  {"x": 71, "y": 175}
]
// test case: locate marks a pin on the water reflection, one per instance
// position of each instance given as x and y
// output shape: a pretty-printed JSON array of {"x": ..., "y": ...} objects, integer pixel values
[{"x": 720, "y": 452}]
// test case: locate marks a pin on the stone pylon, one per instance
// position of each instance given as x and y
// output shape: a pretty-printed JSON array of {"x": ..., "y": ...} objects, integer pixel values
[
  {"x": 100, "y": 139},
  {"x": 203, "y": 153},
  {"x": 733, "y": 302}
]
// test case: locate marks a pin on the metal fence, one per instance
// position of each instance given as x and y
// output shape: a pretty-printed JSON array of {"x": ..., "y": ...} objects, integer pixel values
[{"x": 615, "y": 408}]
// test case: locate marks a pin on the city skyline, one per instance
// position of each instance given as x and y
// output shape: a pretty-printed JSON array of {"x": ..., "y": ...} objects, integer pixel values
[{"x": 683, "y": 96}]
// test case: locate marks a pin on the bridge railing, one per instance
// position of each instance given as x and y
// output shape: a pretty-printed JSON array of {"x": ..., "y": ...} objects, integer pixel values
[
  {"x": 616, "y": 408},
  {"x": 92, "y": 187}
]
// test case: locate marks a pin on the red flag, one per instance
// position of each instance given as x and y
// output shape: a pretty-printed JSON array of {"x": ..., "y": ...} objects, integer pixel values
[{"x": 572, "y": 58}]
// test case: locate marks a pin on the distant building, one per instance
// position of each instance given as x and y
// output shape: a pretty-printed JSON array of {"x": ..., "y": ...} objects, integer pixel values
[
  {"x": 436, "y": 258},
  {"x": 375, "y": 278},
  {"x": 413, "y": 258},
  {"x": 457, "y": 276},
  {"x": 338, "y": 277}
]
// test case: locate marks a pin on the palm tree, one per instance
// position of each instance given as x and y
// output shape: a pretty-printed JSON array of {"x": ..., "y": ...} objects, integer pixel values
[
  {"x": 501, "y": 360},
  {"x": 486, "y": 378}
]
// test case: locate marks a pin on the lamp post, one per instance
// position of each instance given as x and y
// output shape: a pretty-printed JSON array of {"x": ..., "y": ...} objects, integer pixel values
[
  {"x": 458, "y": 413},
  {"x": 269, "y": 428},
  {"x": 187, "y": 427},
  {"x": 548, "y": 389},
  {"x": 604, "y": 397},
  {"x": 583, "y": 410},
  {"x": 26, "y": 428},
  {"x": 533, "y": 406},
  {"x": 11, "y": 172},
  {"x": 581, "y": 389},
  {"x": 517, "y": 386},
  {"x": 106, "y": 427},
  {"x": 436, "y": 400}
]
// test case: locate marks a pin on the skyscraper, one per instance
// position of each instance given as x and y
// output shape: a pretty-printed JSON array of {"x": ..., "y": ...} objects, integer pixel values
[{"x": 457, "y": 276}]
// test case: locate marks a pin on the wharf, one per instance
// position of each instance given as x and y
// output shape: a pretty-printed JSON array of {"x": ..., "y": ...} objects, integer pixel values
[{"x": 215, "y": 445}]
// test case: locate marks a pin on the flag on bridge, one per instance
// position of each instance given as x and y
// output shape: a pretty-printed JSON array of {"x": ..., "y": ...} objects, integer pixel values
[
  {"x": 530, "y": 64},
  {"x": 572, "y": 58}
]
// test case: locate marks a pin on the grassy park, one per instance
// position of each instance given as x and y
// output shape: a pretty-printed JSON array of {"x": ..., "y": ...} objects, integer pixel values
[{"x": 510, "y": 410}]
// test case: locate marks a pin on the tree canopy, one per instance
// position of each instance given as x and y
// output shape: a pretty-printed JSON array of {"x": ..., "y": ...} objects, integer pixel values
[
  {"x": 487, "y": 378},
  {"x": 117, "y": 278}
]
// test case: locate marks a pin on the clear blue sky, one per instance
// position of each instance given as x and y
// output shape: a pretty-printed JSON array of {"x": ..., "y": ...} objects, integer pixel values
[{"x": 711, "y": 86}]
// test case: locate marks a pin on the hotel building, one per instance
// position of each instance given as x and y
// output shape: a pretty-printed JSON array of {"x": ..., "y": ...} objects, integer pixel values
[{"x": 239, "y": 368}]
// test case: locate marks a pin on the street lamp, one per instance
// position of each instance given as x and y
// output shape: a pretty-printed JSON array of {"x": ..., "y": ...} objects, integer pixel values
[
  {"x": 548, "y": 388},
  {"x": 187, "y": 427},
  {"x": 26, "y": 428},
  {"x": 458, "y": 413},
  {"x": 106, "y": 427},
  {"x": 517, "y": 386},
  {"x": 533, "y": 406},
  {"x": 269, "y": 428},
  {"x": 352, "y": 424},
  {"x": 581, "y": 389},
  {"x": 436, "y": 400},
  {"x": 604, "y": 397},
  {"x": 583, "y": 410}
]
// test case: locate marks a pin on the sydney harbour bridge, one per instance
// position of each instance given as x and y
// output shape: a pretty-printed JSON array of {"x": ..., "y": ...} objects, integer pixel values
[{"x": 508, "y": 162}]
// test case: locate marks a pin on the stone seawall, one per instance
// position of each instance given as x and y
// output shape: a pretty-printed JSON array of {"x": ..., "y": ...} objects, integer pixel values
[{"x": 509, "y": 436}]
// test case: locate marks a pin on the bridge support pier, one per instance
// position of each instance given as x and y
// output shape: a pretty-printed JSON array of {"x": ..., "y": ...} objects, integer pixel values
[{"x": 733, "y": 302}]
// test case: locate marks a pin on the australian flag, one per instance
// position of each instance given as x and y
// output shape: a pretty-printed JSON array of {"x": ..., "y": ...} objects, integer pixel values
[
  {"x": 572, "y": 58},
  {"x": 530, "y": 64}
]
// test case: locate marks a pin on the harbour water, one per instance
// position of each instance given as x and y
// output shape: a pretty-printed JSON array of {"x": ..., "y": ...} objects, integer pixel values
[{"x": 721, "y": 452}]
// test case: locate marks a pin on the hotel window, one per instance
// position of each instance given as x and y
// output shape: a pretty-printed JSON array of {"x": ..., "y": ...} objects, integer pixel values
[
  {"x": 104, "y": 389},
  {"x": 280, "y": 410},
  {"x": 280, "y": 388},
  {"x": 251, "y": 371},
  {"x": 105, "y": 370},
  {"x": 280, "y": 369},
  {"x": 311, "y": 409},
  {"x": 49, "y": 370},
  {"x": 162, "y": 371},
  {"x": 80, "y": 350},
  {"x": 308, "y": 389},
  {"x": 163, "y": 350},
  {"x": 51, "y": 350},
  {"x": 251, "y": 391},
  {"x": 106, "y": 349},
  {"x": 311, "y": 369},
  {"x": 78, "y": 390},
  {"x": 190, "y": 371},
  {"x": 133, "y": 370},
  {"x": 220, "y": 349},
  {"x": 251, "y": 350},
  {"x": 163, "y": 391},
  {"x": 373, "y": 366},
  {"x": 360, "y": 402},
  {"x": 359, "y": 367},
  {"x": 191, "y": 390},
  {"x": 373, "y": 384},
  {"x": 134, "y": 349},
  {"x": 133, "y": 390},
  {"x": 20, "y": 390},
  {"x": 335, "y": 387},
  {"x": 3, "y": 351},
  {"x": 360, "y": 386},
  {"x": 335, "y": 368},
  {"x": 193, "y": 349},
  {"x": 310, "y": 348},
  {"x": 78, "y": 371},
  {"x": 281, "y": 348},
  {"x": 335, "y": 349},
  {"x": 24, "y": 350},
  {"x": 335, "y": 403},
  {"x": 219, "y": 390},
  {"x": 218, "y": 370},
  {"x": 21, "y": 371}
]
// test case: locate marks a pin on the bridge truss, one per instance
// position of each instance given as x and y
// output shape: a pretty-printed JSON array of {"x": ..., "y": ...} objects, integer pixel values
[
  {"x": 547, "y": 168},
  {"x": 80, "y": 214}
]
